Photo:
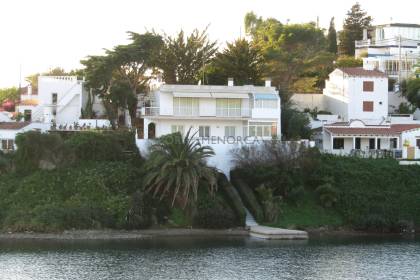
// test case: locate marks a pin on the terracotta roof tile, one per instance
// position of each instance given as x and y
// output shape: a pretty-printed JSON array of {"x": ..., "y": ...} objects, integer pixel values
[
  {"x": 393, "y": 129},
  {"x": 360, "y": 72},
  {"x": 13, "y": 125}
]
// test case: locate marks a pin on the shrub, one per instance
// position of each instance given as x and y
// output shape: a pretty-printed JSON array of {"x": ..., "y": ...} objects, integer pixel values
[
  {"x": 271, "y": 204},
  {"x": 213, "y": 212},
  {"x": 96, "y": 195}
]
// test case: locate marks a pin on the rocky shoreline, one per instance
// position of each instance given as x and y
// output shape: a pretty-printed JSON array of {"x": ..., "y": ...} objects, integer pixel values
[{"x": 123, "y": 234}]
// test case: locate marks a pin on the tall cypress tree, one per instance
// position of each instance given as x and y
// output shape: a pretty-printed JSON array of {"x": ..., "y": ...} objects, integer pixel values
[
  {"x": 332, "y": 37},
  {"x": 356, "y": 20}
]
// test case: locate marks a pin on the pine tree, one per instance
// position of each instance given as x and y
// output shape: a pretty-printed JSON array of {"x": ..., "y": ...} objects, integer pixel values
[
  {"x": 356, "y": 20},
  {"x": 332, "y": 37}
]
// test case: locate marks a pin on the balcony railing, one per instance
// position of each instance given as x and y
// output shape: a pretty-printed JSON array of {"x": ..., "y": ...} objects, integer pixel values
[
  {"x": 394, "y": 153},
  {"x": 233, "y": 112},
  {"x": 150, "y": 111}
]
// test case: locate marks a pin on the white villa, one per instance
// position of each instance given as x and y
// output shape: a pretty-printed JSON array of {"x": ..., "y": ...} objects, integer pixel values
[
  {"x": 58, "y": 101},
  {"x": 214, "y": 111},
  {"x": 356, "y": 93},
  {"x": 223, "y": 117},
  {"x": 360, "y": 98},
  {"x": 391, "y": 48}
]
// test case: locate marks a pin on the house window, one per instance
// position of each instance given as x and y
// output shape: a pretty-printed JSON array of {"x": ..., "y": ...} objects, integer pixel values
[
  {"x": 338, "y": 143},
  {"x": 27, "y": 115},
  {"x": 418, "y": 143},
  {"x": 228, "y": 107},
  {"x": 54, "y": 98},
  {"x": 371, "y": 143},
  {"x": 7, "y": 145},
  {"x": 393, "y": 143},
  {"x": 265, "y": 104},
  {"x": 357, "y": 143},
  {"x": 230, "y": 131},
  {"x": 204, "y": 131},
  {"x": 261, "y": 129},
  {"x": 368, "y": 86},
  {"x": 186, "y": 106},
  {"x": 367, "y": 106},
  {"x": 177, "y": 128}
]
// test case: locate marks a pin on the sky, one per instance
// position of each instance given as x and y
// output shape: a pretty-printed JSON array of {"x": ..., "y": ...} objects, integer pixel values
[{"x": 43, "y": 34}]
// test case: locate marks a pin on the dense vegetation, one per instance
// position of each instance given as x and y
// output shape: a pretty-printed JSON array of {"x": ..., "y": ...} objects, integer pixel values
[
  {"x": 301, "y": 188},
  {"x": 96, "y": 180}
]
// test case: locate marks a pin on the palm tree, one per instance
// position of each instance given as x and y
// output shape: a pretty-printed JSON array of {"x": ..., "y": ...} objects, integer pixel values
[{"x": 176, "y": 165}]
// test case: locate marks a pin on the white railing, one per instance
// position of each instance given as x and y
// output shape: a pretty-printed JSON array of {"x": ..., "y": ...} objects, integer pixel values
[
  {"x": 363, "y": 43},
  {"x": 150, "y": 111},
  {"x": 67, "y": 97},
  {"x": 233, "y": 112},
  {"x": 38, "y": 114}
]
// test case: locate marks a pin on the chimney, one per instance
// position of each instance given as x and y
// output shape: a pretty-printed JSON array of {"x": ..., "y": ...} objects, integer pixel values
[
  {"x": 267, "y": 82},
  {"x": 230, "y": 82}
]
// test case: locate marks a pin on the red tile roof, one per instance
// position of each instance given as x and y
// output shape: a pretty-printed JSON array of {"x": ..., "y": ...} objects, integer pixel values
[
  {"x": 13, "y": 125},
  {"x": 360, "y": 72},
  {"x": 393, "y": 129}
]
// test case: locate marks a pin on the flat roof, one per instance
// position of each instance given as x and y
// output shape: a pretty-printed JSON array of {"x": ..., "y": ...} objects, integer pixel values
[
  {"x": 415, "y": 25},
  {"x": 212, "y": 88},
  {"x": 361, "y": 72}
]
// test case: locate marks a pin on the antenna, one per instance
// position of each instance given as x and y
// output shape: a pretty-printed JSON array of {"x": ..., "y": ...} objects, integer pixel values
[{"x": 20, "y": 77}]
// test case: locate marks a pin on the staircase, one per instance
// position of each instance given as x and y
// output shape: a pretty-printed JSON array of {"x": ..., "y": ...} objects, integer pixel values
[
  {"x": 67, "y": 97},
  {"x": 38, "y": 114},
  {"x": 249, "y": 220}
]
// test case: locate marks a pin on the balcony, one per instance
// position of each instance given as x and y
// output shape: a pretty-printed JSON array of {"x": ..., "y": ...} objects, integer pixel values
[
  {"x": 150, "y": 111},
  {"x": 220, "y": 113},
  {"x": 233, "y": 112}
]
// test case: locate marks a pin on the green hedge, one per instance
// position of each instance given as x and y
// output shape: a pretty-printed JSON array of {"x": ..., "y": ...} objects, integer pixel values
[
  {"x": 90, "y": 196},
  {"x": 371, "y": 194},
  {"x": 51, "y": 150}
]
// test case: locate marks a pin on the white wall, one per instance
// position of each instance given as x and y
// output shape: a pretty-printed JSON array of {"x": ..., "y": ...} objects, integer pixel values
[
  {"x": 309, "y": 100},
  {"x": 410, "y": 137},
  {"x": 69, "y": 100},
  {"x": 207, "y": 107},
  {"x": 379, "y": 97}
]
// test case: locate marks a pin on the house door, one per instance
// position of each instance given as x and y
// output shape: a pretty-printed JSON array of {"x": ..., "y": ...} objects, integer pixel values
[
  {"x": 378, "y": 144},
  {"x": 357, "y": 144},
  {"x": 371, "y": 143},
  {"x": 151, "y": 131},
  {"x": 411, "y": 152}
]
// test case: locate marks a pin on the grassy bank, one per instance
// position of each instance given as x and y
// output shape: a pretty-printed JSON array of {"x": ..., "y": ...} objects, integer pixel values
[
  {"x": 94, "y": 180},
  {"x": 313, "y": 190}
]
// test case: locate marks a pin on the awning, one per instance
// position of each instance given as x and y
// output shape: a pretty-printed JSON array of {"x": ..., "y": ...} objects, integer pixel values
[
  {"x": 229, "y": 95},
  {"x": 192, "y": 94},
  {"x": 264, "y": 96}
]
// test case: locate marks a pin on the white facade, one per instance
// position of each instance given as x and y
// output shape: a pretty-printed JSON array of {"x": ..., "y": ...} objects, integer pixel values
[
  {"x": 214, "y": 111},
  {"x": 60, "y": 99},
  {"x": 346, "y": 94},
  {"x": 360, "y": 97},
  {"x": 391, "y": 48},
  {"x": 9, "y": 130}
]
